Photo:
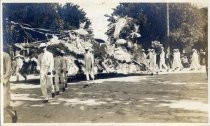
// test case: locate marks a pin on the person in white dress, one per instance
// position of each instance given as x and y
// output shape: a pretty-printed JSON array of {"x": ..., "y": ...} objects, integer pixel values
[
  {"x": 153, "y": 57},
  {"x": 162, "y": 59},
  {"x": 180, "y": 66},
  {"x": 149, "y": 56},
  {"x": 175, "y": 64},
  {"x": 195, "y": 65},
  {"x": 19, "y": 65}
]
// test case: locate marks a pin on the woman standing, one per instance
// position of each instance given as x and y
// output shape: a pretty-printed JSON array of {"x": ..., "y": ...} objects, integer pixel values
[
  {"x": 175, "y": 64},
  {"x": 180, "y": 66},
  {"x": 195, "y": 65}
]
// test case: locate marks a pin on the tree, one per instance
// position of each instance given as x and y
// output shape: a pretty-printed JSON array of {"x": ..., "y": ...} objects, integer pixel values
[
  {"x": 51, "y": 16},
  {"x": 73, "y": 16},
  {"x": 35, "y": 14},
  {"x": 187, "y": 23},
  {"x": 187, "y": 26},
  {"x": 150, "y": 18}
]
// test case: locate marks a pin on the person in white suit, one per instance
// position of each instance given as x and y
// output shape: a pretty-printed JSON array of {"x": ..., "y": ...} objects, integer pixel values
[
  {"x": 45, "y": 66},
  {"x": 7, "y": 72},
  {"x": 58, "y": 75},
  {"x": 65, "y": 65},
  {"x": 89, "y": 64}
]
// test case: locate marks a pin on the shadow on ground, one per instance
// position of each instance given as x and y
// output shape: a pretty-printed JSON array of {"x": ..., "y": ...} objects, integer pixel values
[{"x": 152, "y": 99}]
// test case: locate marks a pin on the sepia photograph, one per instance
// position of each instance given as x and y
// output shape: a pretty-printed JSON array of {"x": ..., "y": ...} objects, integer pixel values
[{"x": 100, "y": 61}]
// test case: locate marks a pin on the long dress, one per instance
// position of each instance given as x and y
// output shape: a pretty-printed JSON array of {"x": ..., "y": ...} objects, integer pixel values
[
  {"x": 149, "y": 56},
  {"x": 179, "y": 60},
  {"x": 175, "y": 61},
  {"x": 162, "y": 60},
  {"x": 153, "y": 62},
  {"x": 19, "y": 64},
  {"x": 195, "y": 62}
]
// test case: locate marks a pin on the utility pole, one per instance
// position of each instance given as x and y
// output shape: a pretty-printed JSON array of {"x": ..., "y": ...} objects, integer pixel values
[
  {"x": 167, "y": 9},
  {"x": 168, "y": 28},
  {"x": 167, "y": 37}
]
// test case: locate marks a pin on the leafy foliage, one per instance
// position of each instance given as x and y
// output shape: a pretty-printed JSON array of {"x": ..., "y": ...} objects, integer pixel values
[
  {"x": 188, "y": 24},
  {"x": 72, "y": 16},
  {"x": 51, "y": 16},
  {"x": 55, "y": 49}
]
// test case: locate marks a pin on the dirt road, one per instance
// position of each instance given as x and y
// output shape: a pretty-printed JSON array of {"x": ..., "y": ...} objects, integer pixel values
[{"x": 155, "y": 99}]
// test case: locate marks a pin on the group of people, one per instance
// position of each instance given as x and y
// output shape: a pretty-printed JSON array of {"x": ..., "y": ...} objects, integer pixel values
[
  {"x": 177, "y": 62},
  {"x": 149, "y": 60},
  {"x": 154, "y": 60},
  {"x": 53, "y": 70}
]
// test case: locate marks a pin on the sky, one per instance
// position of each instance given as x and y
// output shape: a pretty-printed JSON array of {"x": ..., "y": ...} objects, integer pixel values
[{"x": 95, "y": 11}]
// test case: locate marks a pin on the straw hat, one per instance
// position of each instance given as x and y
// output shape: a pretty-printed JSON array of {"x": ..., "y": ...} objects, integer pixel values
[{"x": 42, "y": 45}]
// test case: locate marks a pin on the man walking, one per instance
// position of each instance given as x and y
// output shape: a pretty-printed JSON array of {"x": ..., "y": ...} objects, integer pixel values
[
  {"x": 65, "y": 65},
  {"x": 45, "y": 65},
  {"x": 58, "y": 73},
  {"x": 19, "y": 65},
  {"x": 6, "y": 85},
  {"x": 89, "y": 64}
]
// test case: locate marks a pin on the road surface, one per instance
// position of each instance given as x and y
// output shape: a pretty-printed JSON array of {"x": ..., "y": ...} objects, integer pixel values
[{"x": 163, "y": 98}]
